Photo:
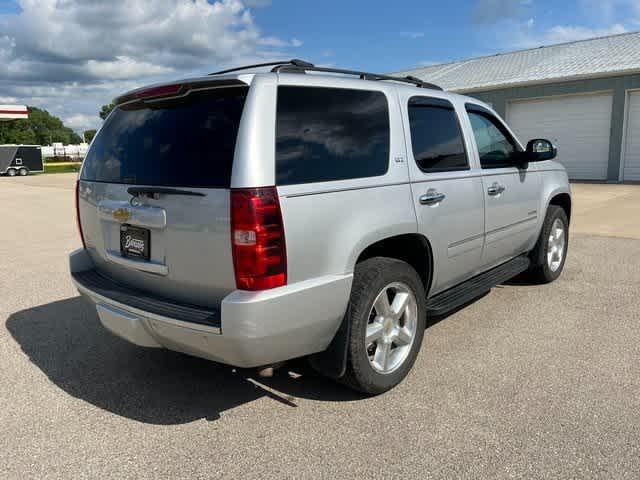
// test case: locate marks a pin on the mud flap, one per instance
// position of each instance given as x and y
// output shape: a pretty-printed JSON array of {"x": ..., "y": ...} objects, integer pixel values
[{"x": 333, "y": 361}]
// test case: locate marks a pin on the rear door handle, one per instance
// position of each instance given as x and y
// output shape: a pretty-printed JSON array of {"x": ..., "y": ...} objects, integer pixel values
[
  {"x": 495, "y": 189},
  {"x": 432, "y": 197}
]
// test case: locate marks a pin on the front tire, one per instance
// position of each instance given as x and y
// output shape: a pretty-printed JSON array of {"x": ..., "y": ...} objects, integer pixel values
[
  {"x": 387, "y": 311},
  {"x": 23, "y": 172},
  {"x": 549, "y": 255},
  {"x": 11, "y": 172}
]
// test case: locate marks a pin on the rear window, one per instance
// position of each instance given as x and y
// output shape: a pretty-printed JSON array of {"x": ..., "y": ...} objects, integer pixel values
[
  {"x": 326, "y": 134},
  {"x": 185, "y": 142}
]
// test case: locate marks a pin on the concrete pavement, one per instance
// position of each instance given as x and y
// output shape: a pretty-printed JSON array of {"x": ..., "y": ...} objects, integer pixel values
[
  {"x": 609, "y": 210},
  {"x": 526, "y": 382}
]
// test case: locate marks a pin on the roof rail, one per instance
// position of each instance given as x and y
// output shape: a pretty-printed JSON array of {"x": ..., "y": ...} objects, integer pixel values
[
  {"x": 290, "y": 67},
  {"x": 300, "y": 66},
  {"x": 294, "y": 61}
]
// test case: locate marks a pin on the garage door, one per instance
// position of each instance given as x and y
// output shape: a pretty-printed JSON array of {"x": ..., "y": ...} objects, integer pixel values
[
  {"x": 579, "y": 125},
  {"x": 631, "y": 169}
]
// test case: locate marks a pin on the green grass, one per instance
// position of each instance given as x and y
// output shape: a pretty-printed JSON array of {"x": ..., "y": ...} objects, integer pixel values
[{"x": 61, "y": 167}]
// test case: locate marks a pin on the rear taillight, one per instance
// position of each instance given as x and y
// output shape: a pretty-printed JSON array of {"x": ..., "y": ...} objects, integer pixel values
[
  {"x": 257, "y": 239},
  {"x": 78, "y": 213}
]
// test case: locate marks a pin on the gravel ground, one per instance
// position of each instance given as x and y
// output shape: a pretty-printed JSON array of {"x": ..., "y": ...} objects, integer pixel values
[{"x": 527, "y": 381}]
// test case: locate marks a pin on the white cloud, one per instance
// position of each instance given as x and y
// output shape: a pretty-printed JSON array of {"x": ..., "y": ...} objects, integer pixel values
[
  {"x": 163, "y": 33},
  {"x": 527, "y": 38},
  {"x": 124, "y": 67},
  {"x": 591, "y": 18},
  {"x": 494, "y": 11},
  {"x": 73, "y": 56},
  {"x": 570, "y": 33},
  {"x": 610, "y": 11},
  {"x": 80, "y": 122},
  {"x": 412, "y": 35},
  {"x": 277, "y": 42},
  {"x": 257, "y": 3}
]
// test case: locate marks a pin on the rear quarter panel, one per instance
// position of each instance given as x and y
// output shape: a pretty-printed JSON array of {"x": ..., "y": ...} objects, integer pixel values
[
  {"x": 326, "y": 232},
  {"x": 328, "y": 224}
]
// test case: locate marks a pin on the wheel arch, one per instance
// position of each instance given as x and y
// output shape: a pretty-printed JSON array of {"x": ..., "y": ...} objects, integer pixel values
[
  {"x": 413, "y": 248},
  {"x": 562, "y": 200}
]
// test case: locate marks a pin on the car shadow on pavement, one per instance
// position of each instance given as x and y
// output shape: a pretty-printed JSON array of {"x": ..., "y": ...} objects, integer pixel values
[{"x": 67, "y": 342}]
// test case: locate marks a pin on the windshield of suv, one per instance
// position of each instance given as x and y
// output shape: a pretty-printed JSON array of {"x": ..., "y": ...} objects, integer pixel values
[{"x": 186, "y": 142}]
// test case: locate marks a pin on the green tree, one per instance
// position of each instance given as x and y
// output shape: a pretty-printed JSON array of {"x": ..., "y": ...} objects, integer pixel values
[
  {"x": 106, "y": 110},
  {"x": 89, "y": 134},
  {"x": 41, "y": 128}
]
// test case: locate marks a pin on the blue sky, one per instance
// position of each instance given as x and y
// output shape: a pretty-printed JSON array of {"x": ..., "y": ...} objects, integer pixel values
[
  {"x": 70, "y": 57},
  {"x": 388, "y": 36}
]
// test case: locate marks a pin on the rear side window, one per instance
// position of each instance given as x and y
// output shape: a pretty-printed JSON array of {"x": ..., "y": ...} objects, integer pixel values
[
  {"x": 184, "y": 142},
  {"x": 326, "y": 134},
  {"x": 436, "y": 137}
]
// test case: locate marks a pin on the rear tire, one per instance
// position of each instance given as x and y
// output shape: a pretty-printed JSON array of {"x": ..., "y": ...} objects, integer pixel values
[
  {"x": 387, "y": 311},
  {"x": 550, "y": 253},
  {"x": 23, "y": 172},
  {"x": 11, "y": 172}
]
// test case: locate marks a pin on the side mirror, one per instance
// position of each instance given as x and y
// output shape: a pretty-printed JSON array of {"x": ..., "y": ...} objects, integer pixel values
[{"x": 540, "y": 149}]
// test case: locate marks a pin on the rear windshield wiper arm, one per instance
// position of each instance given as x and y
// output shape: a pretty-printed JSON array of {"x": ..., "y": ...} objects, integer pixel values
[{"x": 153, "y": 191}]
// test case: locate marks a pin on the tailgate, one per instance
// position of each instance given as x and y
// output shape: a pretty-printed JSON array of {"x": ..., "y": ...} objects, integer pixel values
[{"x": 154, "y": 195}]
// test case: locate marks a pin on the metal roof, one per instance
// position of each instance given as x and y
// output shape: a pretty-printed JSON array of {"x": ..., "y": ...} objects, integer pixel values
[{"x": 596, "y": 57}]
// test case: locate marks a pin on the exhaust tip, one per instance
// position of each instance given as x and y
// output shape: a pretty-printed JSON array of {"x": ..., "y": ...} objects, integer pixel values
[{"x": 267, "y": 370}]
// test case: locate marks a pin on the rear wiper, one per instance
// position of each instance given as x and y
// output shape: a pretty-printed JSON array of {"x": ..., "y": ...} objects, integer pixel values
[{"x": 155, "y": 191}]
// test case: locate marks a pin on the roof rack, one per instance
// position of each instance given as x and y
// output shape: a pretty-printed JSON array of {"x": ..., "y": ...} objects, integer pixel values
[
  {"x": 300, "y": 66},
  {"x": 295, "y": 62}
]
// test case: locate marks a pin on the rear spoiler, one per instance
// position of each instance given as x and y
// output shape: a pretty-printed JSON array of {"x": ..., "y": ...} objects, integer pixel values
[{"x": 175, "y": 90}]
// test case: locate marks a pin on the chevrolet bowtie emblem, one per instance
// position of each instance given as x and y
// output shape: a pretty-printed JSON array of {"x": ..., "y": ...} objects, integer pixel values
[{"x": 122, "y": 214}]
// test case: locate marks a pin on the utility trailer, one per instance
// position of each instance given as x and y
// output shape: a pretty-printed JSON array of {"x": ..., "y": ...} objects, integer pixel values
[{"x": 20, "y": 160}]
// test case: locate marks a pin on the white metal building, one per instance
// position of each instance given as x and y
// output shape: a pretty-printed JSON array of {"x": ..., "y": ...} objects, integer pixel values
[{"x": 584, "y": 96}]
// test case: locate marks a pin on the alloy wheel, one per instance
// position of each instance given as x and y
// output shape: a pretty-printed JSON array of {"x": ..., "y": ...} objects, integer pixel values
[
  {"x": 391, "y": 329},
  {"x": 556, "y": 245}
]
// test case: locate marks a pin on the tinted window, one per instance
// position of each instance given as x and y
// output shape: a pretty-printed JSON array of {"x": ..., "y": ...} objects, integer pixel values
[
  {"x": 328, "y": 134},
  {"x": 186, "y": 142},
  {"x": 495, "y": 146},
  {"x": 435, "y": 135}
]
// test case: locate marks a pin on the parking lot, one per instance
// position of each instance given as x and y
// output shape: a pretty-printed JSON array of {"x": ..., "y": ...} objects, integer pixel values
[{"x": 527, "y": 381}]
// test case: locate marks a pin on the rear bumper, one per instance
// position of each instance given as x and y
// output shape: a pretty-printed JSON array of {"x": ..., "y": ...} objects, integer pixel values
[{"x": 250, "y": 329}]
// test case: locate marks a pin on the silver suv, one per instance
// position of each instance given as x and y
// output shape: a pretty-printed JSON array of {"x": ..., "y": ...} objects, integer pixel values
[{"x": 252, "y": 218}]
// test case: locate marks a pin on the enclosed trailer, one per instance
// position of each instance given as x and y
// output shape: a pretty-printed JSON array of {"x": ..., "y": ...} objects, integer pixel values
[{"x": 20, "y": 160}]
